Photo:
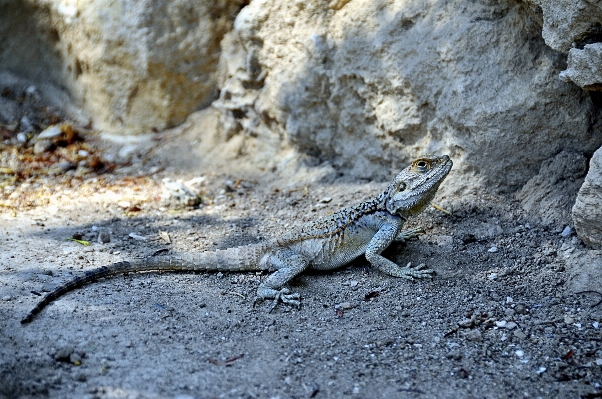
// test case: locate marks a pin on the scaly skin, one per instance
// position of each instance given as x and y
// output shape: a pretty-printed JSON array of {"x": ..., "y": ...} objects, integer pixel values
[{"x": 327, "y": 243}]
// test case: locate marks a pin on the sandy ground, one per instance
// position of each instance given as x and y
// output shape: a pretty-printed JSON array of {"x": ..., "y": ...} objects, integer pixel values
[{"x": 495, "y": 322}]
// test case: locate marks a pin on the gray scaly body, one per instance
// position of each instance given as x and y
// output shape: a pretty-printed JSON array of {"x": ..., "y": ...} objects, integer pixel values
[{"x": 327, "y": 243}]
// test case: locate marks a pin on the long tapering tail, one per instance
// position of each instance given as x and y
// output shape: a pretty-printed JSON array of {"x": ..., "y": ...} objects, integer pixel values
[{"x": 247, "y": 258}]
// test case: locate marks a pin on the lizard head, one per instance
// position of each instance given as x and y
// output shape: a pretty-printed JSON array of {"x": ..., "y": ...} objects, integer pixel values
[{"x": 415, "y": 186}]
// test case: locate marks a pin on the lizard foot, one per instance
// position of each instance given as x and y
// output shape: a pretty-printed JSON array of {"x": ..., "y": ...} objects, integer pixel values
[
  {"x": 412, "y": 273},
  {"x": 405, "y": 235},
  {"x": 283, "y": 295}
]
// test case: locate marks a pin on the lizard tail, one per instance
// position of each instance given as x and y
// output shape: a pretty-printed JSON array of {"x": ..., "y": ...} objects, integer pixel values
[{"x": 246, "y": 258}]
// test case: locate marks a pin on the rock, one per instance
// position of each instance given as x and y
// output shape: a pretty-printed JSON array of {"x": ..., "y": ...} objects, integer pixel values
[
  {"x": 585, "y": 67},
  {"x": 42, "y": 146},
  {"x": 585, "y": 271},
  {"x": 133, "y": 65},
  {"x": 6, "y": 298},
  {"x": 550, "y": 194},
  {"x": 177, "y": 195},
  {"x": 587, "y": 212},
  {"x": 104, "y": 237},
  {"x": 370, "y": 86},
  {"x": 50, "y": 133},
  {"x": 473, "y": 335}
]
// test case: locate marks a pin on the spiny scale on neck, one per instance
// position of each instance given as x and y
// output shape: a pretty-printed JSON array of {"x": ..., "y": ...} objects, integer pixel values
[{"x": 335, "y": 224}]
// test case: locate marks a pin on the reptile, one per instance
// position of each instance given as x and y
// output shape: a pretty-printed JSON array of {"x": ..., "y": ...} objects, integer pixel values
[{"x": 330, "y": 242}]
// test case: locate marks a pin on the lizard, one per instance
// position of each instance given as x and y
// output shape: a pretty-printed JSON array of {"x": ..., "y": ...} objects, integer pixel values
[{"x": 327, "y": 243}]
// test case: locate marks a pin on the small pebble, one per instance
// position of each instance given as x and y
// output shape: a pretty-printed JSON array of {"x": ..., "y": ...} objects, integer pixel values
[
  {"x": 83, "y": 153},
  {"x": 137, "y": 237},
  {"x": 42, "y": 146},
  {"x": 22, "y": 137},
  {"x": 6, "y": 298},
  {"x": 541, "y": 370},
  {"x": 596, "y": 325},
  {"x": 124, "y": 204},
  {"x": 492, "y": 249},
  {"x": 519, "y": 353},
  {"x": 501, "y": 324},
  {"x": 104, "y": 237},
  {"x": 49, "y": 133},
  {"x": 344, "y": 305},
  {"x": 509, "y": 299},
  {"x": 511, "y": 325},
  {"x": 566, "y": 232},
  {"x": 492, "y": 276}
]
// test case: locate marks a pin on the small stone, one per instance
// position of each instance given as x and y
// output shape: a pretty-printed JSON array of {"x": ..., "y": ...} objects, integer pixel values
[
  {"x": 83, "y": 153},
  {"x": 520, "y": 334},
  {"x": 94, "y": 228},
  {"x": 599, "y": 362},
  {"x": 541, "y": 370},
  {"x": 501, "y": 324},
  {"x": 511, "y": 325},
  {"x": 568, "y": 320},
  {"x": 42, "y": 146},
  {"x": 344, "y": 305},
  {"x": 492, "y": 276},
  {"x": 22, "y": 137},
  {"x": 50, "y": 132},
  {"x": 325, "y": 200},
  {"x": 519, "y": 353},
  {"x": 509, "y": 299},
  {"x": 137, "y": 237},
  {"x": 104, "y": 237},
  {"x": 596, "y": 325},
  {"x": 492, "y": 249},
  {"x": 466, "y": 323},
  {"x": 124, "y": 204},
  {"x": 353, "y": 283},
  {"x": 566, "y": 232},
  {"x": 520, "y": 309},
  {"x": 6, "y": 298},
  {"x": 455, "y": 355},
  {"x": 75, "y": 358},
  {"x": 65, "y": 166},
  {"x": 473, "y": 335}
]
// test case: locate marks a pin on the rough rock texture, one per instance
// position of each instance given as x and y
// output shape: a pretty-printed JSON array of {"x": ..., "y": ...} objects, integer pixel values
[
  {"x": 587, "y": 212},
  {"x": 585, "y": 67},
  {"x": 568, "y": 23},
  {"x": 585, "y": 272},
  {"x": 133, "y": 65},
  {"x": 550, "y": 194},
  {"x": 368, "y": 85}
]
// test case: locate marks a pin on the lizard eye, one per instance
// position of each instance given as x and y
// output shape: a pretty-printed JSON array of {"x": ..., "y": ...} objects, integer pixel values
[
  {"x": 422, "y": 165},
  {"x": 402, "y": 187}
]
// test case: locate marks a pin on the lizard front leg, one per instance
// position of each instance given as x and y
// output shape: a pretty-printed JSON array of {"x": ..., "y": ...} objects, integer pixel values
[
  {"x": 381, "y": 240},
  {"x": 288, "y": 264}
]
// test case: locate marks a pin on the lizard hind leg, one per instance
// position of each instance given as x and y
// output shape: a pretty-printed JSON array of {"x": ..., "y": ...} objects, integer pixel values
[{"x": 289, "y": 264}]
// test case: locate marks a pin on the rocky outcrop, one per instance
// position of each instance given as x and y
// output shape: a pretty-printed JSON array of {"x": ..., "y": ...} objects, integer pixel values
[
  {"x": 585, "y": 67},
  {"x": 550, "y": 194},
  {"x": 368, "y": 85},
  {"x": 587, "y": 212},
  {"x": 132, "y": 65}
]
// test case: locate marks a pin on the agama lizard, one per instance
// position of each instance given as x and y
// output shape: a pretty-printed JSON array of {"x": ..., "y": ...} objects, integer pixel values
[{"x": 327, "y": 243}]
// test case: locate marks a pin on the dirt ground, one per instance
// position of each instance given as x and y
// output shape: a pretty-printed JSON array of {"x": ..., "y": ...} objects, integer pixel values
[{"x": 495, "y": 322}]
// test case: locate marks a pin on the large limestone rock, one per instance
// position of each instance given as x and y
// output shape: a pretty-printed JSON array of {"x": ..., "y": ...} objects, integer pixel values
[
  {"x": 587, "y": 212},
  {"x": 573, "y": 27},
  {"x": 368, "y": 85},
  {"x": 134, "y": 65},
  {"x": 551, "y": 194}
]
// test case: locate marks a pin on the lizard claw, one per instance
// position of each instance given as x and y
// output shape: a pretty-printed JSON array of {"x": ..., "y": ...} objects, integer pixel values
[{"x": 284, "y": 295}]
